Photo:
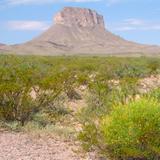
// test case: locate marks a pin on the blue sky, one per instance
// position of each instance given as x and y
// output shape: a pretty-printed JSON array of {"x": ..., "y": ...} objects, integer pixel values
[{"x": 136, "y": 20}]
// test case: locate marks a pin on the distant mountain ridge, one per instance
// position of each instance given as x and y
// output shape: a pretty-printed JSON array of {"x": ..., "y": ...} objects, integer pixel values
[{"x": 80, "y": 31}]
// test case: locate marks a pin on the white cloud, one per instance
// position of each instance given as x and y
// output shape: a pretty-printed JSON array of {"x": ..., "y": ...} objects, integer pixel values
[
  {"x": 25, "y": 2},
  {"x": 113, "y": 2},
  {"x": 134, "y": 21},
  {"x": 124, "y": 28},
  {"x": 37, "y": 2},
  {"x": 27, "y": 25},
  {"x": 82, "y": 0},
  {"x": 4, "y": 3},
  {"x": 135, "y": 24}
]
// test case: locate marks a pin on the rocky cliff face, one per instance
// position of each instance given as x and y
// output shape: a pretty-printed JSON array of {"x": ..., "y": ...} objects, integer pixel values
[
  {"x": 81, "y": 31},
  {"x": 79, "y": 17}
]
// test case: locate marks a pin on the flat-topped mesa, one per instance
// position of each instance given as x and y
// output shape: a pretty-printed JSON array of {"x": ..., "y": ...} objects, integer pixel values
[{"x": 80, "y": 17}]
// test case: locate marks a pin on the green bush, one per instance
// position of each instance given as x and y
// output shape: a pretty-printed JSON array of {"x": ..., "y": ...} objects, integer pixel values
[
  {"x": 154, "y": 94},
  {"x": 104, "y": 94},
  {"x": 153, "y": 66},
  {"x": 132, "y": 131},
  {"x": 16, "y": 103},
  {"x": 89, "y": 136}
]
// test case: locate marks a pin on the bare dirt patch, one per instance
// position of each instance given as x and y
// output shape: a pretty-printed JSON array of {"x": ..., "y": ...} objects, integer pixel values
[{"x": 20, "y": 146}]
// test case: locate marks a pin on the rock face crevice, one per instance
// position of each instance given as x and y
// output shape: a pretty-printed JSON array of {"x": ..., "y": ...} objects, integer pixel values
[{"x": 79, "y": 17}]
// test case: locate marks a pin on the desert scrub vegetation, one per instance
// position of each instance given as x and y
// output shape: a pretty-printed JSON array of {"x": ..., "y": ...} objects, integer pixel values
[
  {"x": 129, "y": 131},
  {"x": 133, "y": 130},
  {"x": 26, "y": 89},
  {"x": 34, "y": 89}
]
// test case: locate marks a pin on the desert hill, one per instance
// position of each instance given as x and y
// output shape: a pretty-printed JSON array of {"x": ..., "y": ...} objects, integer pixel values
[{"x": 80, "y": 31}]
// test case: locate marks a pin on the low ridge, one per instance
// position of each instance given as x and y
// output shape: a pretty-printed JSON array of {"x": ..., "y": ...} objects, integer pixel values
[{"x": 81, "y": 31}]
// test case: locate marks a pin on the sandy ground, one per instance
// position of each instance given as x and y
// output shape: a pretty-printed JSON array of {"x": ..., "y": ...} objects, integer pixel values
[{"x": 20, "y": 146}]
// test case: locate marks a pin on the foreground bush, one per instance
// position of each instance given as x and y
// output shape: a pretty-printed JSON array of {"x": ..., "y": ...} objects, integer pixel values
[
  {"x": 132, "y": 131},
  {"x": 26, "y": 90},
  {"x": 16, "y": 103}
]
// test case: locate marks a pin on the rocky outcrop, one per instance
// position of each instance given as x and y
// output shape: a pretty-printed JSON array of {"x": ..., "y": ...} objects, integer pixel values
[{"x": 79, "y": 17}]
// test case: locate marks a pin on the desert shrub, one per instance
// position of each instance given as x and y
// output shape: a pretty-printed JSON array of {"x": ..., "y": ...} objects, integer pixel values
[
  {"x": 103, "y": 95},
  {"x": 98, "y": 103},
  {"x": 89, "y": 136},
  {"x": 99, "y": 90},
  {"x": 13, "y": 126},
  {"x": 129, "y": 70},
  {"x": 48, "y": 89},
  {"x": 52, "y": 113},
  {"x": 16, "y": 106},
  {"x": 153, "y": 66},
  {"x": 132, "y": 131},
  {"x": 70, "y": 84},
  {"x": 29, "y": 85},
  {"x": 128, "y": 89},
  {"x": 154, "y": 94},
  {"x": 15, "y": 100}
]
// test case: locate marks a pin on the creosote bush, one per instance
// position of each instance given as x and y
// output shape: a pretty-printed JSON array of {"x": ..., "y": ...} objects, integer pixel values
[
  {"x": 132, "y": 131},
  {"x": 26, "y": 89},
  {"x": 16, "y": 103}
]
